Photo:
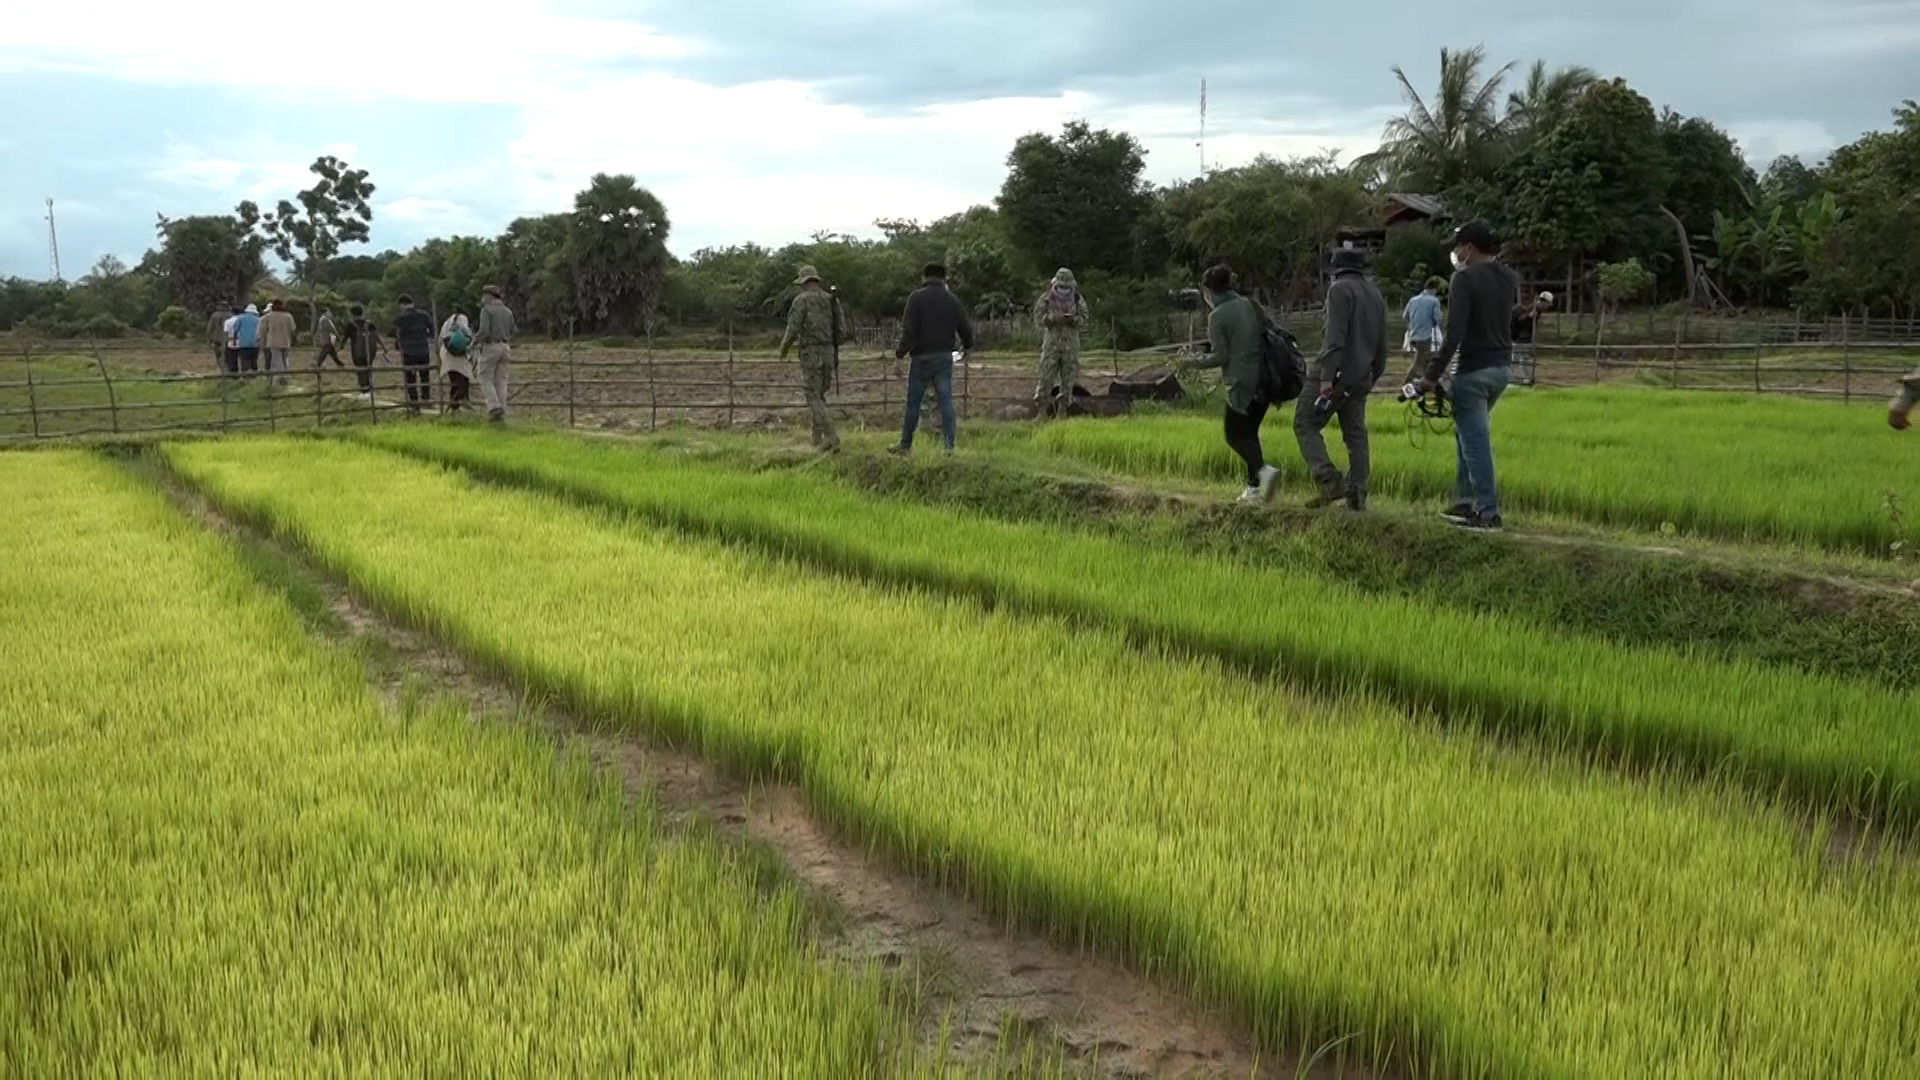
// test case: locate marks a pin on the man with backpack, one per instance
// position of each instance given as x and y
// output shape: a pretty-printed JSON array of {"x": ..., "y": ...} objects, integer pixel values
[
  {"x": 413, "y": 330},
  {"x": 1059, "y": 314},
  {"x": 1235, "y": 338},
  {"x": 1352, "y": 359},
  {"x": 363, "y": 342}
]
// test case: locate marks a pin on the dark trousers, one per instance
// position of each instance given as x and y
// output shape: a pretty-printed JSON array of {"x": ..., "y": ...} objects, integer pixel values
[
  {"x": 458, "y": 386},
  {"x": 249, "y": 359},
  {"x": 1308, "y": 428},
  {"x": 327, "y": 352},
  {"x": 934, "y": 370},
  {"x": 230, "y": 360},
  {"x": 1243, "y": 437},
  {"x": 418, "y": 372},
  {"x": 363, "y": 371}
]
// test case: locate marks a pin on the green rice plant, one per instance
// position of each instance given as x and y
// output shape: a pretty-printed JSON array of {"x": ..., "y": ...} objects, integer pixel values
[
  {"x": 1841, "y": 745},
  {"x": 1737, "y": 466},
  {"x": 1325, "y": 869},
  {"x": 220, "y": 854}
]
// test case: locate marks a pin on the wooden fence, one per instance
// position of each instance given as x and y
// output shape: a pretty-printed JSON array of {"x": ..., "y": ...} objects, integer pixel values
[{"x": 56, "y": 390}]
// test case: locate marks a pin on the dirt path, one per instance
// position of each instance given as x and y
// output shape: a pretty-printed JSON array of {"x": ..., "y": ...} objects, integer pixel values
[{"x": 984, "y": 987}]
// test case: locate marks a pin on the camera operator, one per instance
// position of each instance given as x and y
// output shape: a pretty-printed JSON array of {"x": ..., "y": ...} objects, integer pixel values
[
  {"x": 1480, "y": 310},
  {"x": 1352, "y": 358}
]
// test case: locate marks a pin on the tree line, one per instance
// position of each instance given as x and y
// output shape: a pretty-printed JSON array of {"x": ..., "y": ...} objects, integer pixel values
[{"x": 1586, "y": 180}]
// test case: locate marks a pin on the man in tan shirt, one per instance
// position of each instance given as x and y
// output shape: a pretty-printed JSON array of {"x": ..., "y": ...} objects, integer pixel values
[{"x": 276, "y": 338}]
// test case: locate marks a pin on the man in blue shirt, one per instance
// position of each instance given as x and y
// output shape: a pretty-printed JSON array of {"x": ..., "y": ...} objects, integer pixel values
[
  {"x": 1423, "y": 320},
  {"x": 246, "y": 336}
]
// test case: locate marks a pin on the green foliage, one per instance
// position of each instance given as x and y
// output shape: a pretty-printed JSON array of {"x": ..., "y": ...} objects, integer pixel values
[
  {"x": 174, "y": 322},
  {"x": 209, "y": 262},
  {"x": 617, "y": 253},
  {"x": 1412, "y": 254},
  {"x": 1623, "y": 282},
  {"x": 1457, "y": 135},
  {"x": 1591, "y": 186},
  {"x": 333, "y": 212},
  {"x": 444, "y": 275},
  {"x": 1076, "y": 200},
  {"x": 1272, "y": 221}
]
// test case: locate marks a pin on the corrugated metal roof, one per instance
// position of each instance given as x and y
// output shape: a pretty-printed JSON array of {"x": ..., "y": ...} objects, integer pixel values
[{"x": 1424, "y": 205}]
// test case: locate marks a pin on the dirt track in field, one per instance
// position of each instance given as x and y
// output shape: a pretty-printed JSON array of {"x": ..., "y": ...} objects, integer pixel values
[{"x": 985, "y": 986}]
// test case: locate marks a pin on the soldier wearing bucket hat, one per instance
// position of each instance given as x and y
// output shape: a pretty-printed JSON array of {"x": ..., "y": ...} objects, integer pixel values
[
  {"x": 817, "y": 326},
  {"x": 1059, "y": 314}
]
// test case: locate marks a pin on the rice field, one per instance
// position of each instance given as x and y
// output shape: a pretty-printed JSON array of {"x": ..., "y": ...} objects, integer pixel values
[
  {"x": 1735, "y": 466},
  {"x": 219, "y": 853},
  {"x": 1325, "y": 868},
  {"x": 1372, "y": 825}
]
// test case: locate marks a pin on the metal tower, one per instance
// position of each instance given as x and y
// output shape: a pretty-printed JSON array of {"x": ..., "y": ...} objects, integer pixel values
[{"x": 53, "y": 244}]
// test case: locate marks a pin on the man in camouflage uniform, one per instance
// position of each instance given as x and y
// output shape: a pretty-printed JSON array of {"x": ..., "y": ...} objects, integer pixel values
[
  {"x": 816, "y": 324},
  {"x": 1901, "y": 408},
  {"x": 1059, "y": 313}
]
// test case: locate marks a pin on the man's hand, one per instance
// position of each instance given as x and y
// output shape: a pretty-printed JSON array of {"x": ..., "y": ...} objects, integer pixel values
[
  {"x": 1326, "y": 389},
  {"x": 1425, "y": 385}
]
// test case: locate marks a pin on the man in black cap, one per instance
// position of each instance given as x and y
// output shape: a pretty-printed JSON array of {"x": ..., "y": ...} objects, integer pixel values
[
  {"x": 1480, "y": 309},
  {"x": 934, "y": 318},
  {"x": 1352, "y": 359}
]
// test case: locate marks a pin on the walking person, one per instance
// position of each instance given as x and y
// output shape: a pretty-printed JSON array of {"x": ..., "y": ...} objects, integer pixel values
[
  {"x": 217, "y": 337},
  {"x": 1352, "y": 359},
  {"x": 1900, "y": 409},
  {"x": 1233, "y": 345},
  {"x": 816, "y": 325},
  {"x": 1480, "y": 308},
  {"x": 276, "y": 340},
  {"x": 230, "y": 331},
  {"x": 246, "y": 338},
  {"x": 934, "y": 318},
  {"x": 1059, "y": 314},
  {"x": 1423, "y": 325},
  {"x": 413, "y": 331},
  {"x": 494, "y": 332},
  {"x": 325, "y": 334},
  {"x": 363, "y": 343},
  {"x": 456, "y": 359}
]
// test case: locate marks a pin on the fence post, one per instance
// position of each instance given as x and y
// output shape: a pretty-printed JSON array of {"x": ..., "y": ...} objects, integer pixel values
[
  {"x": 1846, "y": 360},
  {"x": 33, "y": 402},
  {"x": 1113, "y": 345},
  {"x": 113, "y": 404},
  {"x": 653, "y": 389},
  {"x": 729, "y": 372},
  {"x": 1599, "y": 335},
  {"x": 572, "y": 383},
  {"x": 319, "y": 398},
  {"x": 1759, "y": 344},
  {"x": 1675, "y": 379}
]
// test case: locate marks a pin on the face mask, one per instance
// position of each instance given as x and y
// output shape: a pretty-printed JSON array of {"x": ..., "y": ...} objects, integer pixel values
[{"x": 1458, "y": 262}]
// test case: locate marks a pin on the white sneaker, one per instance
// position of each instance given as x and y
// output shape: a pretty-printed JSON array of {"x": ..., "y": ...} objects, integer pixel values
[
  {"x": 1269, "y": 476},
  {"x": 1251, "y": 495}
]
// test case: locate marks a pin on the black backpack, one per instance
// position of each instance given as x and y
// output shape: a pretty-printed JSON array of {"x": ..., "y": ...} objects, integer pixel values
[{"x": 1283, "y": 367}]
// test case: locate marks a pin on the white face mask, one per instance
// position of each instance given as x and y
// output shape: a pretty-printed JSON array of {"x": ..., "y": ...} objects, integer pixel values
[{"x": 1458, "y": 262}]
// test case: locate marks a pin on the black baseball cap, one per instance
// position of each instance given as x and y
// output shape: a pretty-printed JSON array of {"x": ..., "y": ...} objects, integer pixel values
[{"x": 1477, "y": 233}]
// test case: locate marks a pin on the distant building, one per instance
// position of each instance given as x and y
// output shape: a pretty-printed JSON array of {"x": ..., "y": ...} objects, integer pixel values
[{"x": 1398, "y": 209}]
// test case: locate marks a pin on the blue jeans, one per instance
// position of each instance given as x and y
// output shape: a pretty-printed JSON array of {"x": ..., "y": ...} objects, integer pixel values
[
  {"x": 936, "y": 369},
  {"x": 1474, "y": 394}
]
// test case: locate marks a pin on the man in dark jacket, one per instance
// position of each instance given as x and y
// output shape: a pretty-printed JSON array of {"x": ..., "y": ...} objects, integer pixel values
[
  {"x": 413, "y": 331},
  {"x": 1352, "y": 359},
  {"x": 934, "y": 318},
  {"x": 363, "y": 342},
  {"x": 1480, "y": 309},
  {"x": 1233, "y": 345}
]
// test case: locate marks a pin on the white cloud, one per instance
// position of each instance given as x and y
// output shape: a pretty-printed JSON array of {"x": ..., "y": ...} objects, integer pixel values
[
  {"x": 439, "y": 216},
  {"x": 1764, "y": 140},
  {"x": 440, "y": 50},
  {"x": 1862, "y": 29}
]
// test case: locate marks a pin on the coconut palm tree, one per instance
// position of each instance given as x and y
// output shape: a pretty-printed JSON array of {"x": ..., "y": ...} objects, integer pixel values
[
  {"x": 1457, "y": 135},
  {"x": 1545, "y": 99}
]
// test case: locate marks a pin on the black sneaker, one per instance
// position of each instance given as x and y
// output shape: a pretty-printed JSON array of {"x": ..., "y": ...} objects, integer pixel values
[
  {"x": 1327, "y": 497},
  {"x": 1482, "y": 523},
  {"x": 1357, "y": 501},
  {"x": 1458, "y": 514}
]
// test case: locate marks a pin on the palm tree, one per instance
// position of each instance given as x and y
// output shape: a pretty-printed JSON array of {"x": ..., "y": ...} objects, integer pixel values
[
  {"x": 1458, "y": 136},
  {"x": 1545, "y": 100}
]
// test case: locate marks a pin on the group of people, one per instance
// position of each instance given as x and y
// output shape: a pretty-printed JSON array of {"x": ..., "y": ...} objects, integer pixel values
[
  {"x": 1472, "y": 358},
  {"x": 243, "y": 337},
  {"x": 480, "y": 348}
]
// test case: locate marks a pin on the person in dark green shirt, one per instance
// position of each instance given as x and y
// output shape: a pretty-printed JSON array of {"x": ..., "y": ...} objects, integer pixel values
[{"x": 1233, "y": 340}]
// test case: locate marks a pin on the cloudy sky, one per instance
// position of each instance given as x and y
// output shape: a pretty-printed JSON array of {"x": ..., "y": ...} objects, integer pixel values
[{"x": 756, "y": 120}]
